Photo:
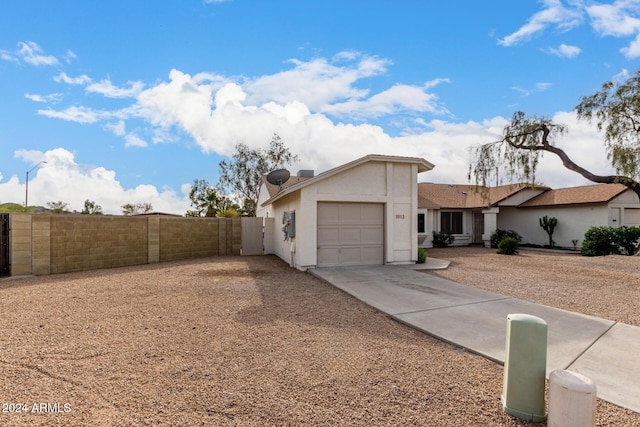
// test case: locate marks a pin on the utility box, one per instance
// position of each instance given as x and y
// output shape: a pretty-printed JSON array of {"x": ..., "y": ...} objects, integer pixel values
[{"x": 525, "y": 366}]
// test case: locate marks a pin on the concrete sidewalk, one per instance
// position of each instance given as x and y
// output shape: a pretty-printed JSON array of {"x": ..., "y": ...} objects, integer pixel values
[{"x": 603, "y": 350}]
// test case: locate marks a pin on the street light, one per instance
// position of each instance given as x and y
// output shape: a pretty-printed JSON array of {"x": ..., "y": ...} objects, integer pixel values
[{"x": 26, "y": 188}]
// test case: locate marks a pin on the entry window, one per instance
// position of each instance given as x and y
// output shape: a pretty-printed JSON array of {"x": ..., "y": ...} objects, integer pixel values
[
  {"x": 421, "y": 223},
  {"x": 451, "y": 222}
]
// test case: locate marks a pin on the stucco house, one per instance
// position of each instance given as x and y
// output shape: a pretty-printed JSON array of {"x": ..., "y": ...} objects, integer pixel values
[
  {"x": 473, "y": 215},
  {"x": 468, "y": 212},
  {"x": 361, "y": 213},
  {"x": 576, "y": 208}
]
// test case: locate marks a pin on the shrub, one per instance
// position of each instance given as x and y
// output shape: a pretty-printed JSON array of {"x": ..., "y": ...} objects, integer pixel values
[
  {"x": 601, "y": 241},
  {"x": 628, "y": 238},
  {"x": 422, "y": 256},
  {"x": 499, "y": 235},
  {"x": 442, "y": 240},
  {"x": 598, "y": 241},
  {"x": 508, "y": 246}
]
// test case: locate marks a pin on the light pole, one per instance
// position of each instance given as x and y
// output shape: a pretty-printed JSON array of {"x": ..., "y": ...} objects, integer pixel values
[{"x": 26, "y": 187}]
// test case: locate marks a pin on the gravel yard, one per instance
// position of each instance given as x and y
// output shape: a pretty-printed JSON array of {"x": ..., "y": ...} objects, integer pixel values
[{"x": 251, "y": 342}]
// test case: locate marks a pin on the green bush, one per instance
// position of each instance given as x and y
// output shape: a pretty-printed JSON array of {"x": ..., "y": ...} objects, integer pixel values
[
  {"x": 422, "y": 256},
  {"x": 442, "y": 240},
  {"x": 508, "y": 246},
  {"x": 628, "y": 238},
  {"x": 601, "y": 241},
  {"x": 499, "y": 235}
]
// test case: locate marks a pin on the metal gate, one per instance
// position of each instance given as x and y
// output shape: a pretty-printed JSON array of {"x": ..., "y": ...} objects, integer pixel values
[
  {"x": 4, "y": 245},
  {"x": 252, "y": 236}
]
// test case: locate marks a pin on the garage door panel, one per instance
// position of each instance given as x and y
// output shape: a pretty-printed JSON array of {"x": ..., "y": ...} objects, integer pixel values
[
  {"x": 350, "y": 234},
  {"x": 350, "y": 214},
  {"x": 328, "y": 214},
  {"x": 329, "y": 236},
  {"x": 328, "y": 256},
  {"x": 632, "y": 217},
  {"x": 372, "y": 235}
]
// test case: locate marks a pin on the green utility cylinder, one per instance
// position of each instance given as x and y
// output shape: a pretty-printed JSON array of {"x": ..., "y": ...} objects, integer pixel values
[{"x": 525, "y": 366}]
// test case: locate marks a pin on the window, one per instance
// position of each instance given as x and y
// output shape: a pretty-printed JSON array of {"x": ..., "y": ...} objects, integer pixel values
[
  {"x": 421, "y": 228},
  {"x": 451, "y": 222}
]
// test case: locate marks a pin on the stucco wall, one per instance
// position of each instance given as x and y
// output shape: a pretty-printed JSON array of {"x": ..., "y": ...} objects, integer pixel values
[
  {"x": 392, "y": 184},
  {"x": 573, "y": 222},
  {"x": 47, "y": 244}
]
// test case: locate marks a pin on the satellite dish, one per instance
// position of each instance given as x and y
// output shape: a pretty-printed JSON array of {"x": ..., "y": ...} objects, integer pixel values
[{"x": 278, "y": 177}]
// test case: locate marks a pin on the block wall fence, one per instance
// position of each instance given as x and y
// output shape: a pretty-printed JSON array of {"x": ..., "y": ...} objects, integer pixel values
[{"x": 42, "y": 244}]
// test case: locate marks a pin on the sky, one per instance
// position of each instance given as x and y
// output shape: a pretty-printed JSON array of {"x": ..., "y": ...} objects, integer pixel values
[{"x": 131, "y": 101}]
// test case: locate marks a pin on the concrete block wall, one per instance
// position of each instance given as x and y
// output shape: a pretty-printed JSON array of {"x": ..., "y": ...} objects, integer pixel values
[
  {"x": 185, "y": 238},
  {"x": 43, "y": 244},
  {"x": 90, "y": 242},
  {"x": 20, "y": 244}
]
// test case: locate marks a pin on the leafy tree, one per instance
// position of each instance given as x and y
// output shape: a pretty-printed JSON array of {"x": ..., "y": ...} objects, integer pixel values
[
  {"x": 58, "y": 207},
  {"x": 205, "y": 198},
  {"x": 228, "y": 213},
  {"x": 615, "y": 109},
  {"x": 242, "y": 175},
  {"x": 138, "y": 208},
  {"x": 91, "y": 208}
]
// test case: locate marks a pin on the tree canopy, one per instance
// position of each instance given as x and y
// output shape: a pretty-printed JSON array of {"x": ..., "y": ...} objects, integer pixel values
[
  {"x": 242, "y": 175},
  {"x": 58, "y": 207},
  {"x": 615, "y": 109},
  {"x": 138, "y": 208},
  {"x": 91, "y": 208},
  {"x": 210, "y": 202}
]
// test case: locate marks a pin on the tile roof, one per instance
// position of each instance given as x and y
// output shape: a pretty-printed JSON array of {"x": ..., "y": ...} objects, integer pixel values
[
  {"x": 598, "y": 193},
  {"x": 461, "y": 196}
]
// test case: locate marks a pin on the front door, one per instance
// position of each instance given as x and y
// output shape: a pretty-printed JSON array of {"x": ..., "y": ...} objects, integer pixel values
[{"x": 478, "y": 227}]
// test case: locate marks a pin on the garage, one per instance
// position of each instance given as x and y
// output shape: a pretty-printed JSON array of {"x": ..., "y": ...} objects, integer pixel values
[
  {"x": 350, "y": 234},
  {"x": 632, "y": 217}
]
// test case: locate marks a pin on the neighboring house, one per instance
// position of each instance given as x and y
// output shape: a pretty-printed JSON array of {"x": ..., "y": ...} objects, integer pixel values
[
  {"x": 472, "y": 215},
  {"x": 576, "y": 208},
  {"x": 361, "y": 213},
  {"x": 468, "y": 212}
]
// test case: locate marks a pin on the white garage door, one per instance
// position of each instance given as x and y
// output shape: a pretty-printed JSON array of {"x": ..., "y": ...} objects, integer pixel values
[
  {"x": 350, "y": 234},
  {"x": 632, "y": 217}
]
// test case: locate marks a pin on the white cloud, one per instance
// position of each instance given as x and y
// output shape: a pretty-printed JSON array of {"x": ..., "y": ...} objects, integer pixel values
[
  {"x": 7, "y": 56},
  {"x": 554, "y": 13},
  {"x": 76, "y": 114},
  {"x": 70, "y": 56},
  {"x": 218, "y": 113},
  {"x": 51, "y": 98},
  {"x": 317, "y": 83},
  {"x": 134, "y": 140},
  {"x": 399, "y": 98},
  {"x": 106, "y": 88},
  {"x": 539, "y": 87},
  {"x": 62, "y": 178},
  {"x": 565, "y": 51},
  {"x": 621, "y": 18},
  {"x": 32, "y": 53},
  {"x": 80, "y": 80}
]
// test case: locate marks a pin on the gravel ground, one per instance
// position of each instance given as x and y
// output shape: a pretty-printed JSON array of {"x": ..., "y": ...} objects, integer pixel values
[
  {"x": 240, "y": 342},
  {"x": 606, "y": 287}
]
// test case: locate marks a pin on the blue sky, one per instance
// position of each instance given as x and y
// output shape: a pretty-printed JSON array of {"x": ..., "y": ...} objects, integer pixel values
[{"x": 130, "y": 101}]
